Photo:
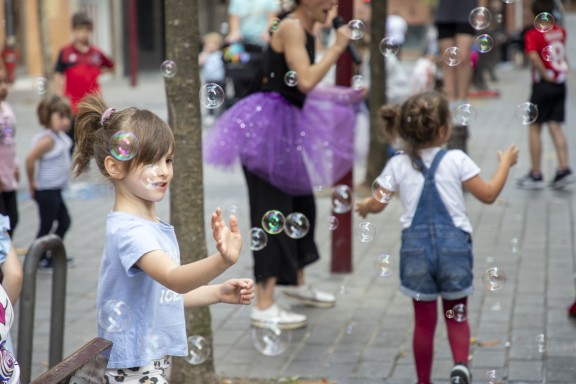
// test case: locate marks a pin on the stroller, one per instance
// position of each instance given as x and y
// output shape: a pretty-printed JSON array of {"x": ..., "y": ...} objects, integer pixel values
[{"x": 243, "y": 69}]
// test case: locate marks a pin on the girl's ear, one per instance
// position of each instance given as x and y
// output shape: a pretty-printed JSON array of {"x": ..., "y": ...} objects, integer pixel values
[{"x": 115, "y": 168}]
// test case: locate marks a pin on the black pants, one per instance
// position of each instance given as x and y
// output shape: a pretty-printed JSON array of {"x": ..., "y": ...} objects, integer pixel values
[
  {"x": 283, "y": 256},
  {"x": 9, "y": 207},
  {"x": 52, "y": 210}
]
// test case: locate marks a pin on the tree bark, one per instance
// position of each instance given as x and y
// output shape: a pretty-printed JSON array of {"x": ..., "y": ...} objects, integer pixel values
[
  {"x": 377, "y": 154},
  {"x": 186, "y": 192}
]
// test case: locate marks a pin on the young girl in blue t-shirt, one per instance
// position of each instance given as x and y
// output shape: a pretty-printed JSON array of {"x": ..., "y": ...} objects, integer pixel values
[
  {"x": 142, "y": 288},
  {"x": 436, "y": 250}
]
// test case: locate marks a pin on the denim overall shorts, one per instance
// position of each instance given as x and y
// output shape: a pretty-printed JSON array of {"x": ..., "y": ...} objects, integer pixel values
[{"x": 435, "y": 255}]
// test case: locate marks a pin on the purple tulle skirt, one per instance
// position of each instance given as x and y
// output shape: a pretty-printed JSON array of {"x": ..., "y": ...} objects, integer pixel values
[{"x": 293, "y": 149}]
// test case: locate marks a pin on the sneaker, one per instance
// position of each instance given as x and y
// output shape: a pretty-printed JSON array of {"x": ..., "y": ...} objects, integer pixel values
[
  {"x": 562, "y": 179},
  {"x": 309, "y": 295},
  {"x": 460, "y": 374},
  {"x": 284, "y": 319},
  {"x": 531, "y": 181}
]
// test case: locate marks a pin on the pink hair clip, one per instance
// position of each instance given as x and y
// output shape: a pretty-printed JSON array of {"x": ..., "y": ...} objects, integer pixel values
[{"x": 106, "y": 115}]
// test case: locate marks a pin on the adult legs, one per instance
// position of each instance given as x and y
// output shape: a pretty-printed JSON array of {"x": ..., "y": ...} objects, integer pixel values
[
  {"x": 457, "y": 78},
  {"x": 425, "y": 317},
  {"x": 535, "y": 141}
]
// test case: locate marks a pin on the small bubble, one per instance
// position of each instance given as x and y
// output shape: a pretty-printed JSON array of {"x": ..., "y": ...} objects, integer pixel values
[
  {"x": 384, "y": 265},
  {"x": 452, "y": 56},
  {"x": 357, "y": 29},
  {"x": 341, "y": 198},
  {"x": 270, "y": 340},
  {"x": 258, "y": 239},
  {"x": 494, "y": 279},
  {"x": 123, "y": 145},
  {"x": 211, "y": 96},
  {"x": 232, "y": 209},
  {"x": 168, "y": 68},
  {"x": 548, "y": 53},
  {"x": 465, "y": 114},
  {"x": 358, "y": 82},
  {"x": 273, "y": 222},
  {"x": 541, "y": 343},
  {"x": 484, "y": 43},
  {"x": 151, "y": 176},
  {"x": 114, "y": 316},
  {"x": 332, "y": 223},
  {"x": 40, "y": 85},
  {"x": 480, "y": 18},
  {"x": 365, "y": 232},
  {"x": 514, "y": 247},
  {"x": 383, "y": 188},
  {"x": 198, "y": 350},
  {"x": 544, "y": 22},
  {"x": 527, "y": 113},
  {"x": 457, "y": 313},
  {"x": 389, "y": 46},
  {"x": 297, "y": 225},
  {"x": 291, "y": 78}
]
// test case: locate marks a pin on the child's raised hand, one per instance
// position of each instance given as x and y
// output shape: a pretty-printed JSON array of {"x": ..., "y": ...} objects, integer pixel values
[
  {"x": 237, "y": 291},
  {"x": 509, "y": 156},
  {"x": 228, "y": 240}
]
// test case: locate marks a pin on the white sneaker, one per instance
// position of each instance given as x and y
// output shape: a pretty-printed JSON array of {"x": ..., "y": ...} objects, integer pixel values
[
  {"x": 311, "y": 296},
  {"x": 262, "y": 318}
]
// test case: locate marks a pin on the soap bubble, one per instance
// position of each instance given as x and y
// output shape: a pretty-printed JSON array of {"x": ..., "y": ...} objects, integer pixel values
[
  {"x": 484, "y": 43},
  {"x": 341, "y": 198},
  {"x": 508, "y": 1},
  {"x": 258, "y": 239},
  {"x": 114, "y": 316},
  {"x": 457, "y": 313},
  {"x": 333, "y": 222},
  {"x": 493, "y": 279},
  {"x": 151, "y": 175},
  {"x": 527, "y": 113},
  {"x": 273, "y": 222},
  {"x": 383, "y": 188},
  {"x": 297, "y": 225},
  {"x": 494, "y": 376},
  {"x": 168, "y": 68},
  {"x": 452, "y": 56},
  {"x": 541, "y": 343},
  {"x": 232, "y": 209},
  {"x": 123, "y": 145},
  {"x": 271, "y": 340},
  {"x": 358, "y": 82},
  {"x": 357, "y": 29},
  {"x": 389, "y": 46},
  {"x": 211, "y": 95},
  {"x": 384, "y": 265},
  {"x": 548, "y": 53},
  {"x": 480, "y": 18},
  {"x": 365, "y": 231},
  {"x": 152, "y": 343},
  {"x": 544, "y": 22},
  {"x": 291, "y": 78},
  {"x": 40, "y": 85},
  {"x": 198, "y": 350},
  {"x": 465, "y": 114}
]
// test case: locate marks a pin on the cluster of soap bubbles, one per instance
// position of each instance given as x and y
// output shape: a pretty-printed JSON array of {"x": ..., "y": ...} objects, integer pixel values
[
  {"x": 296, "y": 225},
  {"x": 271, "y": 340}
]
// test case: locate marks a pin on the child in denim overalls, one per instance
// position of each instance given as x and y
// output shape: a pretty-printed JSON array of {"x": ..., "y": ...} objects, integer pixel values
[{"x": 436, "y": 251}]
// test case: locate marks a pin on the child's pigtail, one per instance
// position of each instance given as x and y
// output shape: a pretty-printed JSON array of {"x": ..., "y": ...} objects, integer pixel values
[{"x": 87, "y": 132}]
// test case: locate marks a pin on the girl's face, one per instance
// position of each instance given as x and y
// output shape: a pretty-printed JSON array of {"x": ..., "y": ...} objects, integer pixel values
[
  {"x": 59, "y": 122},
  {"x": 150, "y": 182}
]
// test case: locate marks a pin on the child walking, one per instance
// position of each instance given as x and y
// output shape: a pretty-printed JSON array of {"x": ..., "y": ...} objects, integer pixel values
[
  {"x": 140, "y": 266},
  {"x": 547, "y": 54},
  {"x": 436, "y": 250},
  {"x": 48, "y": 168},
  {"x": 9, "y": 169}
]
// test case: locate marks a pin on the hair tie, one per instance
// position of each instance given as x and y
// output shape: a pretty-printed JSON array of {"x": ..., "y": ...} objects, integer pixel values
[{"x": 106, "y": 115}]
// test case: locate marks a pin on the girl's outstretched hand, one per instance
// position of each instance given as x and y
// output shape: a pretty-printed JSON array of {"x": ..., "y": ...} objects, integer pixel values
[
  {"x": 228, "y": 240},
  {"x": 509, "y": 156},
  {"x": 237, "y": 291}
]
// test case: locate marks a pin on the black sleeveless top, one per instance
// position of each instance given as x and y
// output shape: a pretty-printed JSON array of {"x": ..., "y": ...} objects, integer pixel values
[{"x": 275, "y": 68}]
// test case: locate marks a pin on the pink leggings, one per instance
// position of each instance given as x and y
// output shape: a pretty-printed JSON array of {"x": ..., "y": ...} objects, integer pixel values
[{"x": 426, "y": 315}]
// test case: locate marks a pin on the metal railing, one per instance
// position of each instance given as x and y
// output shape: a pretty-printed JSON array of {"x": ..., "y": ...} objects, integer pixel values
[{"x": 54, "y": 244}]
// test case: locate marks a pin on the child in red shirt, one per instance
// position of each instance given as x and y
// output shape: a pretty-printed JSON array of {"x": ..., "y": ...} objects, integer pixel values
[{"x": 79, "y": 65}]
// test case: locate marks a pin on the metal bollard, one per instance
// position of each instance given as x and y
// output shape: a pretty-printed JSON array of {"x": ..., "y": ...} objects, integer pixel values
[{"x": 28, "y": 301}]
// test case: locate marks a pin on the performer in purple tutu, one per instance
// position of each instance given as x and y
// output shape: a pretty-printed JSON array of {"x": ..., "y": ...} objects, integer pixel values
[{"x": 289, "y": 137}]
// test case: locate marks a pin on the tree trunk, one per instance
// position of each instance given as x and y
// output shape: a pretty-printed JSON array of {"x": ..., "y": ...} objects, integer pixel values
[
  {"x": 186, "y": 192},
  {"x": 377, "y": 154}
]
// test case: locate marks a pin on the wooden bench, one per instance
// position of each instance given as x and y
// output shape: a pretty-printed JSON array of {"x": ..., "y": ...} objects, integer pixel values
[{"x": 85, "y": 366}]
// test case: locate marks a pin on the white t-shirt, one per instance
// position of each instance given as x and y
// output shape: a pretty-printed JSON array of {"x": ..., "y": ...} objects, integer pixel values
[{"x": 455, "y": 168}]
